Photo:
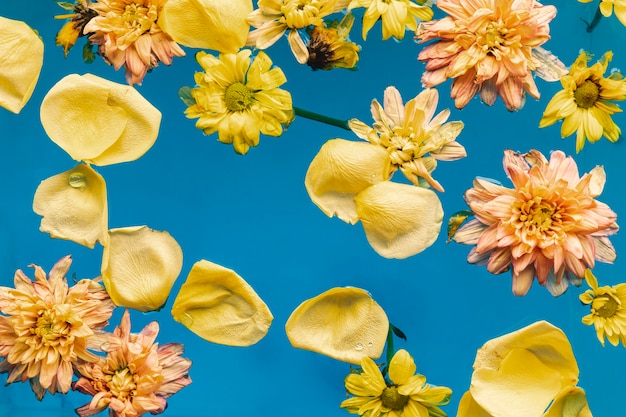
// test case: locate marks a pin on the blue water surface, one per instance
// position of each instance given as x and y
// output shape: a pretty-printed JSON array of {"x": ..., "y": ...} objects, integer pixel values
[{"x": 252, "y": 214}]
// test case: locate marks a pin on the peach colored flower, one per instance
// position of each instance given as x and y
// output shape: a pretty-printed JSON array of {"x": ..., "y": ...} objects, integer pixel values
[
  {"x": 128, "y": 35},
  {"x": 486, "y": 46},
  {"x": 136, "y": 376},
  {"x": 549, "y": 225},
  {"x": 45, "y": 327}
]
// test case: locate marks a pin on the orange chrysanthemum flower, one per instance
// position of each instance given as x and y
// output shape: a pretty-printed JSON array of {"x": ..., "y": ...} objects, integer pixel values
[
  {"x": 45, "y": 326},
  {"x": 486, "y": 46},
  {"x": 128, "y": 35},
  {"x": 549, "y": 225},
  {"x": 136, "y": 376}
]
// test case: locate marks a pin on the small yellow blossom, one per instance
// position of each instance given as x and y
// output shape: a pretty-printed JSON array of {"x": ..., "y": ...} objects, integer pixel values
[
  {"x": 404, "y": 393},
  {"x": 608, "y": 310},
  {"x": 397, "y": 15},
  {"x": 329, "y": 46},
  {"x": 45, "y": 327},
  {"x": 273, "y": 18},
  {"x": 586, "y": 102},
  {"x": 137, "y": 375},
  {"x": 128, "y": 35},
  {"x": 239, "y": 98},
  {"x": 412, "y": 137}
]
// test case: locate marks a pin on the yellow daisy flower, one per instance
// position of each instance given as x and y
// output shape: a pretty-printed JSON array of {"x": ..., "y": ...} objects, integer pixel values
[
  {"x": 239, "y": 98},
  {"x": 405, "y": 394},
  {"x": 329, "y": 46},
  {"x": 608, "y": 311},
  {"x": 397, "y": 16},
  {"x": 586, "y": 102}
]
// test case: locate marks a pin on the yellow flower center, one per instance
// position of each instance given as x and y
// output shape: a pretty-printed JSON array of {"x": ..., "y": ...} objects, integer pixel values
[
  {"x": 121, "y": 383},
  {"x": 299, "y": 14},
  {"x": 608, "y": 307},
  {"x": 50, "y": 328},
  {"x": 392, "y": 399},
  {"x": 539, "y": 218},
  {"x": 238, "y": 97},
  {"x": 586, "y": 94}
]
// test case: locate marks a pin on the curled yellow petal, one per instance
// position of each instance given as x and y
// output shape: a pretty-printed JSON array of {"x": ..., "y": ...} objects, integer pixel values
[
  {"x": 342, "y": 169},
  {"x": 468, "y": 407},
  {"x": 218, "y": 305},
  {"x": 399, "y": 220},
  {"x": 139, "y": 267},
  {"x": 343, "y": 323},
  {"x": 220, "y": 25},
  {"x": 21, "y": 58},
  {"x": 74, "y": 206},
  {"x": 571, "y": 402},
  {"x": 98, "y": 121}
]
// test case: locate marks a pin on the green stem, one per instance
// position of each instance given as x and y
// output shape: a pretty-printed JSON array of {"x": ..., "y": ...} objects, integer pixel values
[
  {"x": 390, "y": 350},
  {"x": 594, "y": 22},
  {"x": 321, "y": 118}
]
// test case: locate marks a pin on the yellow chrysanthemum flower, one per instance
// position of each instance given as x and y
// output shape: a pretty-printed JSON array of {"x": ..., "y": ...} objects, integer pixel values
[
  {"x": 586, "y": 102},
  {"x": 397, "y": 16},
  {"x": 412, "y": 137},
  {"x": 239, "y": 98},
  {"x": 329, "y": 46},
  {"x": 274, "y": 17},
  {"x": 608, "y": 310},
  {"x": 405, "y": 394}
]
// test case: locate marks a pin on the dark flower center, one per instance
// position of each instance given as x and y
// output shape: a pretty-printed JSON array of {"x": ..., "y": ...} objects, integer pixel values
[{"x": 586, "y": 94}]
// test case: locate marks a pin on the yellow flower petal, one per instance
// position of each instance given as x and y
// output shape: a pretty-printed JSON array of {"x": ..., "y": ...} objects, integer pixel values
[
  {"x": 522, "y": 386},
  {"x": 99, "y": 121},
  {"x": 342, "y": 169},
  {"x": 21, "y": 54},
  {"x": 399, "y": 220},
  {"x": 571, "y": 402},
  {"x": 208, "y": 24},
  {"x": 218, "y": 305},
  {"x": 139, "y": 267},
  {"x": 74, "y": 206},
  {"x": 468, "y": 407},
  {"x": 343, "y": 323}
]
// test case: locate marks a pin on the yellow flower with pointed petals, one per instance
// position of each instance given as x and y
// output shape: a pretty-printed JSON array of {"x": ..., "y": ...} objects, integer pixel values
[
  {"x": 273, "y": 18},
  {"x": 586, "y": 102},
  {"x": 329, "y": 46},
  {"x": 21, "y": 54},
  {"x": 412, "y": 135},
  {"x": 238, "y": 97},
  {"x": 607, "y": 7},
  {"x": 73, "y": 29},
  {"x": 209, "y": 24},
  {"x": 404, "y": 394},
  {"x": 397, "y": 15},
  {"x": 608, "y": 310},
  {"x": 342, "y": 323}
]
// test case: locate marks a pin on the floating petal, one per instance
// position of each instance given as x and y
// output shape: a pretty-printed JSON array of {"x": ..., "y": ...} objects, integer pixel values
[
  {"x": 74, "y": 206},
  {"x": 21, "y": 55},
  {"x": 99, "y": 121},
  {"x": 343, "y": 323},
  {"x": 139, "y": 267},
  {"x": 218, "y": 305}
]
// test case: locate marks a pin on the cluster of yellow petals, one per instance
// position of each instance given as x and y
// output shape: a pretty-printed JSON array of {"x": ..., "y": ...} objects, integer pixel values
[
  {"x": 238, "y": 97},
  {"x": 486, "y": 46},
  {"x": 586, "y": 102},
  {"x": 329, "y": 46},
  {"x": 45, "y": 327},
  {"x": 531, "y": 372},
  {"x": 404, "y": 394},
  {"x": 397, "y": 16},
  {"x": 608, "y": 310},
  {"x": 136, "y": 376}
]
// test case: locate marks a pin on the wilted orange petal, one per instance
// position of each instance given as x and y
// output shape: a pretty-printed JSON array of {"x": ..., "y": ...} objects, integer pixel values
[
  {"x": 400, "y": 220},
  {"x": 343, "y": 323},
  {"x": 74, "y": 206},
  {"x": 342, "y": 169},
  {"x": 218, "y": 305},
  {"x": 139, "y": 267},
  {"x": 21, "y": 54},
  {"x": 220, "y": 25},
  {"x": 98, "y": 121}
]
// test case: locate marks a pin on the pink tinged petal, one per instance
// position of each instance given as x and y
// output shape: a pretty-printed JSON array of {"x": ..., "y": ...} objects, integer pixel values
[
  {"x": 605, "y": 252},
  {"x": 522, "y": 281},
  {"x": 556, "y": 285},
  {"x": 469, "y": 233},
  {"x": 488, "y": 240},
  {"x": 499, "y": 261},
  {"x": 478, "y": 258},
  {"x": 341, "y": 170},
  {"x": 489, "y": 92},
  {"x": 598, "y": 179},
  {"x": 399, "y": 220}
]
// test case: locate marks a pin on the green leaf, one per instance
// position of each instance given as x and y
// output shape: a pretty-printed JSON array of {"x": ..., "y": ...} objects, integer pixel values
[
  {"x": 66, "y": 5},
  {"x": 88, "y": 55},
  {"x": 185, "y": 95}
]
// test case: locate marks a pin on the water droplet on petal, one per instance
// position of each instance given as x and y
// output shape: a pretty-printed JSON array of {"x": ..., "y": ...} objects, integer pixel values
[
  {"x": 359, "y": 347},
  {"x": 77, "y": 180}
]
